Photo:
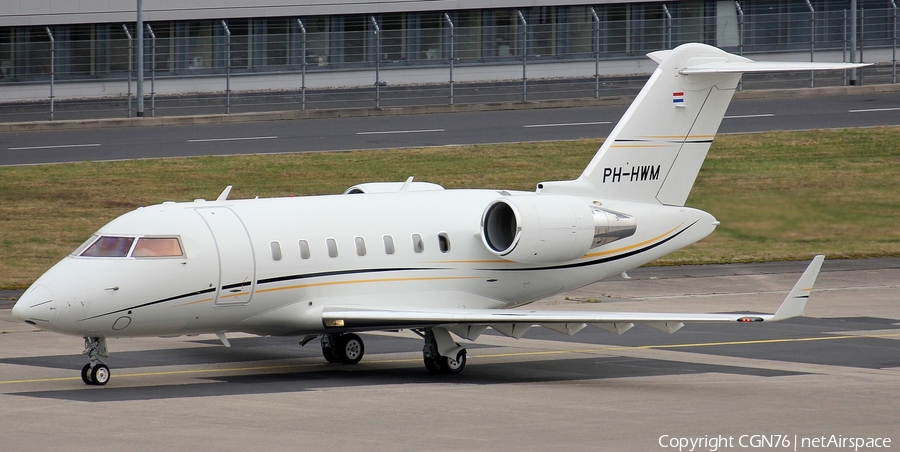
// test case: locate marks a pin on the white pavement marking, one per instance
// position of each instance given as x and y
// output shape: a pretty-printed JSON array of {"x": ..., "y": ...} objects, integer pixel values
[
  {"x": 766, "y": 115},
  {"x": 869, "y": 110},
  {"x": 205, "y": 140},
  {"x": 567, "y": 124},
  {"x": 59, "y": 146},
  {"x": 400, "y": 131}
]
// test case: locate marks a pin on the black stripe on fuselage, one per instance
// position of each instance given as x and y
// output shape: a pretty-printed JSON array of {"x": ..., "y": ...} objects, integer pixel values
[
  {"x": 339, "y": 273},
  {"x": 264, "y": 281},
  {"x": 176, "y": 297}
]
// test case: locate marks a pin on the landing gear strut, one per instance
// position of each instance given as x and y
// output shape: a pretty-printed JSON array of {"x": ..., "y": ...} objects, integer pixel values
[
  {"x": 96, "y": 372},
  {"x": 345, "y": 348},
  {"x": 437, "y": 340}
]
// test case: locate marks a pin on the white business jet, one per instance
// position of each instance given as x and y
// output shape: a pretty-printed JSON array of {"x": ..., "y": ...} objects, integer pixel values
[{"x": 411, "y": 255}]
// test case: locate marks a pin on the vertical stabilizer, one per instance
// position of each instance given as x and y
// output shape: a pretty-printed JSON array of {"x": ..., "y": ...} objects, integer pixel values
[{"x": 655, "y": 151}]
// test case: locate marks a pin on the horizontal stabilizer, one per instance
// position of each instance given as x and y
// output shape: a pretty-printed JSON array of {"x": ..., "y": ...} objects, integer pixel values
[{"x": 747, "y": 67}]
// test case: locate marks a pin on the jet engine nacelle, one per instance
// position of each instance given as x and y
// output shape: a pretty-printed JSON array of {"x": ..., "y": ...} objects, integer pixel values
[{"x": 550, "y": 228}]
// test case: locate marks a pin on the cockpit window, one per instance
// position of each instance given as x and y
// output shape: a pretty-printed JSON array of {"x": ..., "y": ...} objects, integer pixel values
[
  {"x": 107, "y": 246},
  {"x": 157, "y": 247}
]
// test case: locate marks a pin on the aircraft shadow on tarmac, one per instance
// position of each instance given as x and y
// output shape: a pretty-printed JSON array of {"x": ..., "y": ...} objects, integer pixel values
[
  {"x": 803, "y": 340},
  {"x": 580, "y": 369}
]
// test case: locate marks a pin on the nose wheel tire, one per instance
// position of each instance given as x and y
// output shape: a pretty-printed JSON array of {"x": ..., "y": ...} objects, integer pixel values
[
  {"x": 86, "y": 374},
  {"x": 97, "y": 374}
]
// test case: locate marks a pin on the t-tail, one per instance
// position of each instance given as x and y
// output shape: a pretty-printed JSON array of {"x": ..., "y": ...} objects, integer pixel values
[{"x": 655, "y": 151}]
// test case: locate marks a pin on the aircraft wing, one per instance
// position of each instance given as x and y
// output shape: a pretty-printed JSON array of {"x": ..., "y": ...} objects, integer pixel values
[{"x": 514, "y": 322}]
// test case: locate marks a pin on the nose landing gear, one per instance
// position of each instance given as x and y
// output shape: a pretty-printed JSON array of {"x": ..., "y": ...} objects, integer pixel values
[{"x": 96, "y": 372}]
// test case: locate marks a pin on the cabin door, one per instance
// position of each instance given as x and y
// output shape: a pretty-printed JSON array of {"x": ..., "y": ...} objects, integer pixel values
[{"x": 237, "y": 275}]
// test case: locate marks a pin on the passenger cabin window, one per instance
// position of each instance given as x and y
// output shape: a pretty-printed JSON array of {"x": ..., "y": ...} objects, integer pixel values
[
  {"x": 157, "y": 247},
  {"x": 360, "y": 246},
  {"x": 388, "y": 244},
  {"x": 443, "y": 242},
  {"x": 332, "y": 247},
  {"x": 304, "y": 249},
  {"x": 108, "y": 246},
  {"x": 276, "y": 250},
  {"x": 418, "y": 244}
]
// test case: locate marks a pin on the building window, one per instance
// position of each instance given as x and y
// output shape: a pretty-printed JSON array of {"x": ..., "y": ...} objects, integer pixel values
[
  {"x": 332, "y": 247},
  {"x": 276, "y": 250},
  {"x": 304, "y": 249},
  {"x": 388, "y": 244},
  {"x": 318, "y": 40},
  {"x": 199, "y": 48},
  {"x": 360, "y": 246},
  {"x": 418, "y": 244},
  {"x": 7, "y": 63}
]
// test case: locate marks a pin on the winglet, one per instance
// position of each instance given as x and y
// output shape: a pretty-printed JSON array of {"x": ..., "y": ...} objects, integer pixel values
[{"x": 795, "y": 302}]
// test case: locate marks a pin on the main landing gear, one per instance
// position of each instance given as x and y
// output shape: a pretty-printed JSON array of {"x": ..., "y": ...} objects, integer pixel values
[
  {"x": 345, "y": 348},
  {"x": 96, "y": 372},
  {"x": 441, "y": 354}
]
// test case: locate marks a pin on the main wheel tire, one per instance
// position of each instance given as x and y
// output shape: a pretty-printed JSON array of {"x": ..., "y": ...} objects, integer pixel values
[
  {"x": 453, "y": 366},
  {"x": 100, "y": 374},
  {"x": 86, "y": 374},
  {"x": 350, "y": 348},
  {"x": 330, "y": 355},
  {"x": 432, "y": 365}
]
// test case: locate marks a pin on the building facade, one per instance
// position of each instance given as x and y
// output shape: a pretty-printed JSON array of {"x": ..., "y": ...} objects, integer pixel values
[{"x": 94, "y": 39}]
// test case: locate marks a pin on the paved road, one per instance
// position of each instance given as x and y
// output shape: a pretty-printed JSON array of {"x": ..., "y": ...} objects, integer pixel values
[
  {"x": 422, "y": 130},
  {"x": 832, "y": 373}
]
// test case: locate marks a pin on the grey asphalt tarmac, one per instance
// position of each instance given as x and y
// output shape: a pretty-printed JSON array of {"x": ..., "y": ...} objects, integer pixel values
[
  {"x": 758, "y": 115},
  {"x": 834, "y": 372}
]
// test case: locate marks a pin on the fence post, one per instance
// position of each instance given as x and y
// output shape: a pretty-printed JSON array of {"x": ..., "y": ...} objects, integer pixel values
[
  {"x": 452, "y": 35},
  {"x": 893, "y": 41},
  {"x": 139, "y": 34},
  {"x": 862, "y": 40},
  {"x": 596, "y": 53},
  {"x": 130, "y": 63},
  {"x": 52, "y": 70},
  {"x": 152, "y": 71},
  {"x": 227, "y": 68},
  {"x": 740, "y": 12},
  {"x": 377, "y": 63},
  {"x": 853, "y": 40},
  {"x": 303, "y": 65},
  {"x": 668, "y": 43},
  {"x": 812, "y": 40},
  {"x": 524, "y": 55},
  {"x": 844, "y": 48}
]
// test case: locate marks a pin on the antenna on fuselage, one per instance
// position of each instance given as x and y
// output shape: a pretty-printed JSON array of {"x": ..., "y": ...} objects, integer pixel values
[
  {"x": 225, "y": 193},
  {"x": 406, "y": 184}
]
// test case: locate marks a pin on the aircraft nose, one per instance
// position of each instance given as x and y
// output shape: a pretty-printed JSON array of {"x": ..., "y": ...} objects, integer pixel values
[{"x": 35, "y": 306}]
